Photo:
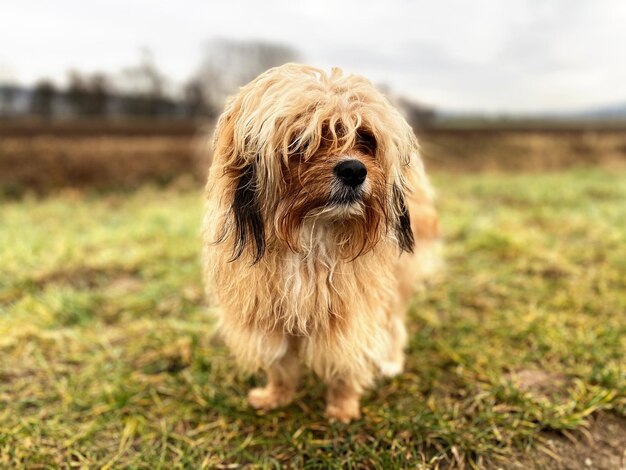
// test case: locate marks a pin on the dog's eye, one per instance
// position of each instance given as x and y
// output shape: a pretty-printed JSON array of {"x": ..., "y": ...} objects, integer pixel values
[
  {"x": 298, "y": 146},
  {"x": 366, "y": 142}
]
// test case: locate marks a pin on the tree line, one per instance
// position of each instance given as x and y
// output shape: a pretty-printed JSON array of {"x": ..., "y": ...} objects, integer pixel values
[{"x": 144, "y": 91}]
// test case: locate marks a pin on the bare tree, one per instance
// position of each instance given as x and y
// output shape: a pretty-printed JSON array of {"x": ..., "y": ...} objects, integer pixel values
[
  {"x": 76, "y": 93},
  {"x": 420, "y": 116},
  {"x": 98, "y": 88},
  {"x": 229, "y": 64},
  {"x": 195, "y": 99},
  {"x": 8, "y": 91},
  {"x": 42, "y": 102},
  {"x": 88, "y": 95},
  {"x": 8, "y": 95},
  {"x": 144, "y": 87}
]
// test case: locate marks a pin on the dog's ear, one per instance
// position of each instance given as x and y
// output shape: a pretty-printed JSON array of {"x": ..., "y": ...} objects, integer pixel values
[
  {"x": 404, "y": 233},
  {"x": 246, "y": 211}
]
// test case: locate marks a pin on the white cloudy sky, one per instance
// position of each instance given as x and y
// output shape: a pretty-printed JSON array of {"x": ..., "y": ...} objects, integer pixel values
[{"x": 488, "y": 55}]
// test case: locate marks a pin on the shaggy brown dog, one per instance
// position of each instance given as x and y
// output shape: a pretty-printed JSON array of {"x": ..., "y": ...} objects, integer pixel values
[{"x": 319, "y": 225}]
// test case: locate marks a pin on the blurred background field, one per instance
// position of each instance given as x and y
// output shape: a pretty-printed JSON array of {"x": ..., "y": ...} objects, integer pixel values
[{"x": 517, "y": 354}]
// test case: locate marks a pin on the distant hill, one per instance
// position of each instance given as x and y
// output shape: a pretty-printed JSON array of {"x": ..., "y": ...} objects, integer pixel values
[
  {"x": 617, "y": 111},
  {"x": 614, "y": 114}
]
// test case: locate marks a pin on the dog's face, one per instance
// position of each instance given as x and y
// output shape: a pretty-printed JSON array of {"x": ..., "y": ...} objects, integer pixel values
[
  {"x": 302, "y": 152},
  {"x": 335, "y": 180},
  {"x": 339, "y": 184}
]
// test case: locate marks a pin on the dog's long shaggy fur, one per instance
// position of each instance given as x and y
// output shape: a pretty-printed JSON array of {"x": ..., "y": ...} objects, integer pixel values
[{"x": 305, "y": 269}]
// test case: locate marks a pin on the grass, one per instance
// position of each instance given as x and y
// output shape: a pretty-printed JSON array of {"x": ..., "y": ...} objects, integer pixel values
[{"x": 107, "y": 357}]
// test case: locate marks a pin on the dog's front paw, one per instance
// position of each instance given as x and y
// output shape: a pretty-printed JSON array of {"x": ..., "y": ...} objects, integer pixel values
[
  {"x": 344, "y": 411},
  {"x": 391, "y": 368},
  {"x": 268, "y": 398}
]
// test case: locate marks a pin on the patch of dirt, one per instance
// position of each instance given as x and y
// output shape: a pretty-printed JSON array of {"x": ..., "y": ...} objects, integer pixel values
[
  {"x": 118, "y": 278},
  {"x": 538, "y": 382},
  {"x": 602, "y": 446},
  {"x": 126, "y": 284}
]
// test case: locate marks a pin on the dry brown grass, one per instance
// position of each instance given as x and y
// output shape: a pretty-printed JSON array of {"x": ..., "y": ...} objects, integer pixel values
[
  {"x": 534, "y": 150},
  {"x": 47, "y": 162},
  {"x": 43, "y": 158}
]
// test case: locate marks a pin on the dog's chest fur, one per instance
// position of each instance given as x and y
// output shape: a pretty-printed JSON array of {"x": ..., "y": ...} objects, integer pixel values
[
  {"x": 309, "y": 294},
  {"x": 318, "y": 284}
]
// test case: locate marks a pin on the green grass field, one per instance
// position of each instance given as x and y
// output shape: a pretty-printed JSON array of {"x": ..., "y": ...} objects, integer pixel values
[{"x": 107, "y": 357}]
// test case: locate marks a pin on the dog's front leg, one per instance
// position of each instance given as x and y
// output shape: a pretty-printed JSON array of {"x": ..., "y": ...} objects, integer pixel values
[
  {"x": 342, "y": 400},
  {"x": 282, "y": 381}
]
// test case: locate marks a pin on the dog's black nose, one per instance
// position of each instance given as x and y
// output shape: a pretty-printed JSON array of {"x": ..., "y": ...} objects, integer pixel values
[{"x": 351, "y": 172}]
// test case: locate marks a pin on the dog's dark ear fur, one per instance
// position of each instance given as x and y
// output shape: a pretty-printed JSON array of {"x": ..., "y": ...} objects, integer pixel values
[
  {"x": 404, "y": 233},
  {"x": 247, "y": 215}
]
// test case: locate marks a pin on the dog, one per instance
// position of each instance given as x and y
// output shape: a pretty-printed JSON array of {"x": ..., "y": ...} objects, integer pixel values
[{"x": 319, "y": 225}]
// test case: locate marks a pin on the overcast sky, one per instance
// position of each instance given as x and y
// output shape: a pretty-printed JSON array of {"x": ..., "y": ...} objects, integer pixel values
[{"x": 497, "y": 55}]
